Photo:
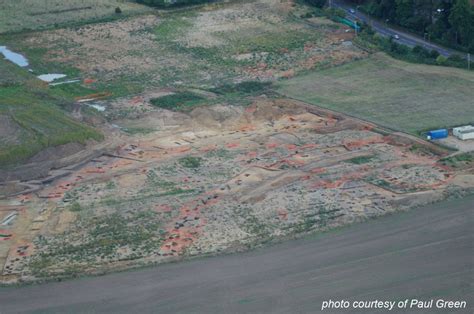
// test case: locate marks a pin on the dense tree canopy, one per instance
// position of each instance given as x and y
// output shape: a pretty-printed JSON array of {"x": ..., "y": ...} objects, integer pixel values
[{"x": 448, "y": 21}]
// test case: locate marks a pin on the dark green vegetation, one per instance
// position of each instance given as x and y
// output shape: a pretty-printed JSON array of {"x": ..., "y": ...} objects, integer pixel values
[
  {"x": 368, "y": 39},
  {"x": 75, "y": 207},
  {"x": 178, "y": 101},
  {"x": 361, "y": 160},
  {"x": 191, "y": 162},
  {"x": 234, "y": 93},
  {"x": 244, "y": 88},
  {"x": 448, "y": 22},
  {"x": 399, "y": 95},
  {"x": 33, "y": 117},
  {"x": 316, "y": 3},
  {"x": 320, "y": 9},
  {"x": 418, "y": 54},
  {"x": 458, "y": 160}
]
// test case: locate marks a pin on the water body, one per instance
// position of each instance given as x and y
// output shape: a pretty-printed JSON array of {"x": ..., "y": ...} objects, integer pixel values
[
  {"x": 50, "y": 77},
  {"x": 14, "y": 57}
]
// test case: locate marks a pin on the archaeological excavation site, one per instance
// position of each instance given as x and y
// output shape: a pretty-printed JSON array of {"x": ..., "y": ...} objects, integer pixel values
[
  {"x": 219, "y": 179},
  {"x": 177, "y": 135}
]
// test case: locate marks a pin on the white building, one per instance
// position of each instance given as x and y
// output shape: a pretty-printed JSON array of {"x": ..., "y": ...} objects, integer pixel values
[{"x": 464, "y": 132}]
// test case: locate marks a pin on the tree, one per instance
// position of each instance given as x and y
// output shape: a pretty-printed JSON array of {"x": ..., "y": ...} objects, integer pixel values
[
  {"x": 404, "y": 12},
  {"x": 461, "y": 20},
  {"x": 448, "y": 21},
  {"x": 317, "y": 3}
]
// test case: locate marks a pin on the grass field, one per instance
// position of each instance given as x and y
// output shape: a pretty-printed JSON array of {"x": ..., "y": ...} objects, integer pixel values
[
  {"x": 31, "y": 118},
  {"x": 36, "y": 14},
  {"x": 395, "y": 94}
]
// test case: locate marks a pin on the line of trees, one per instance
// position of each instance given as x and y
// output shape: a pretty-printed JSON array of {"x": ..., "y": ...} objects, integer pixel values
[{"x": 447, "y": 21}]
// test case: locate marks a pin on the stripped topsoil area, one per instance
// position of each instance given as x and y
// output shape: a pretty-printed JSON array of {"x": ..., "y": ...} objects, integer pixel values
[{"x": 219, "y": 179}]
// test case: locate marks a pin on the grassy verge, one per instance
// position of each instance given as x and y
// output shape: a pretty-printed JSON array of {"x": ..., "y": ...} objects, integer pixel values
[
  {"x": 418, "y": 54},
  {"x": 34, "y": 117}
]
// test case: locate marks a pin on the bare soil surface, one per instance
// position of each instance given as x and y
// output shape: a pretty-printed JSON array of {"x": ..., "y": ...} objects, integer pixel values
[{"x": 217, "y": 179}]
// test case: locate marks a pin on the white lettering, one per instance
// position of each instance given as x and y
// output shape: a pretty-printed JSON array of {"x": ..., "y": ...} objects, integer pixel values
[
  {"x": 324, "y": 305},
  {"x": 442, "y": 304},
  {"x": 331, "y": 304}
]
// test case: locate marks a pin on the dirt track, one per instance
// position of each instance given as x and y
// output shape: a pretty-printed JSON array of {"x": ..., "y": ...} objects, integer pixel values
[{"x": 425, "y": 253}]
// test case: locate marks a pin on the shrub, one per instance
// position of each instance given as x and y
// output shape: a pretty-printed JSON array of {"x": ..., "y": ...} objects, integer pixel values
[
  {"x": 316, "y": 3},
  {"x": 421, "y": 51},
  {"x": 441, "y": 60},
  {"x": 335, "y": 12},
  {"x": 455, "y": 58},
  {"x": 368, "y": 29},
  {"x": 118, "y": 10},
  {"x": 360, "y": 160},
  {"x": 398, "y": 49},
  {"x": 190, "y": 162},
  {"x": 75, "y": 207},
  {"x": 434, "y": 54}
]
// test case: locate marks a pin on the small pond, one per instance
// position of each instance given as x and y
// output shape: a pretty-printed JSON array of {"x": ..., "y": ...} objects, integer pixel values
[{"x": 14, "y": 57}]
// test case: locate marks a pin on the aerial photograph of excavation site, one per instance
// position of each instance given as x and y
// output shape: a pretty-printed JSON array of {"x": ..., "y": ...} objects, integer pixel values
[{"x": 236, "y": 156}]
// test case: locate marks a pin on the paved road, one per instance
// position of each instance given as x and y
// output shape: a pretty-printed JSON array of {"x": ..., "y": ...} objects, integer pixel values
[
  {"x": 389, "y": 31},
  {"x": 425, "y": 253}
]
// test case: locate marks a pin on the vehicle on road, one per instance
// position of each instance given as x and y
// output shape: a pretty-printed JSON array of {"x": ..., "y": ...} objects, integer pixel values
[
  {"x": 396, "y": 36},
  {"x": 352, "y": 11}
]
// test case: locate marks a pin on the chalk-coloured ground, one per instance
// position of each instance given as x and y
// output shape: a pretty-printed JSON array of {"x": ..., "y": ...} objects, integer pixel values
[{"x": 275, "y": 169}]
